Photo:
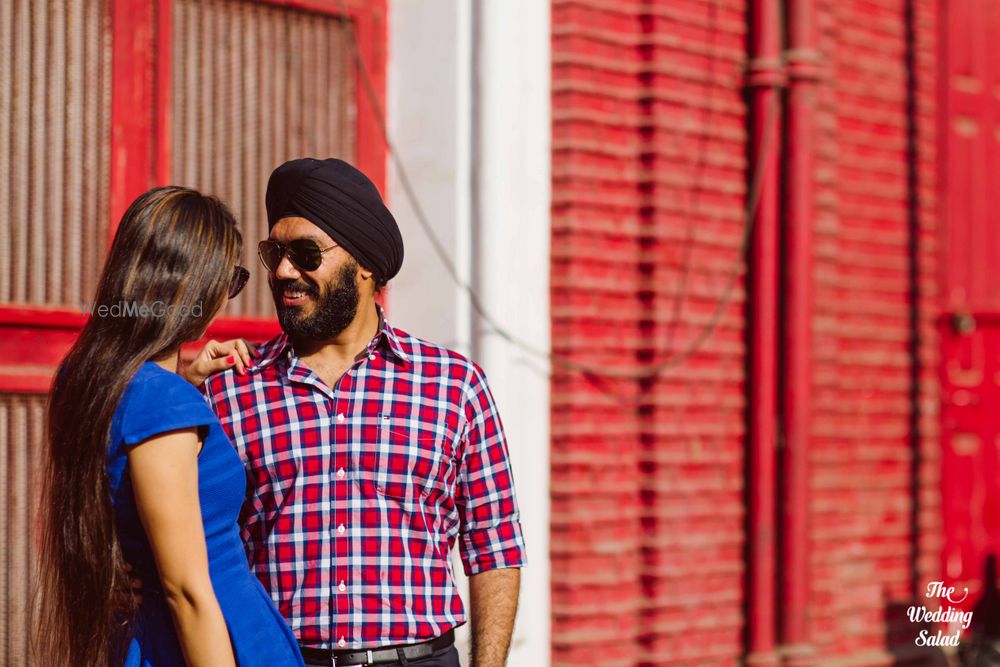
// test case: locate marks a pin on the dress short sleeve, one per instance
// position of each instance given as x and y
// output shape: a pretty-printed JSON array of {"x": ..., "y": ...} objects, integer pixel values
[{"x": 160, "y": 403}]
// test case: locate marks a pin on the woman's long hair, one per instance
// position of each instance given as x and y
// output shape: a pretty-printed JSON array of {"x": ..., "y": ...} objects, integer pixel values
[{"x": 174, "y": 247}]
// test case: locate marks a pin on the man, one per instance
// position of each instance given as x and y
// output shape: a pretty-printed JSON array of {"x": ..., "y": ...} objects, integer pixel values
[{"x": 370, "y": 452}]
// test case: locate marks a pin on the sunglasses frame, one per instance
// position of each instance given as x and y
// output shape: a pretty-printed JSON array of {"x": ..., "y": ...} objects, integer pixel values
[
  {"x": 240, "y": 278},
  {"x": 285, "y": 250}
]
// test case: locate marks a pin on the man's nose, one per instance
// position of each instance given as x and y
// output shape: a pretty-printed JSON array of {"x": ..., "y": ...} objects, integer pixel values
[{"x": 286, "y": 270}]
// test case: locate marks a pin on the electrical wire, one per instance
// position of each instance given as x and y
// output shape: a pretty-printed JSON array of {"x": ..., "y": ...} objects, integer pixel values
[{"x": 651, "y": 370}]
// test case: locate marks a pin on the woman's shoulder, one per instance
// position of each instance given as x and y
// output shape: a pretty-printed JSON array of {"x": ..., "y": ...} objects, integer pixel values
[
  {"x": 158, "y": 400},
  {"x": 154, "y": 384}
]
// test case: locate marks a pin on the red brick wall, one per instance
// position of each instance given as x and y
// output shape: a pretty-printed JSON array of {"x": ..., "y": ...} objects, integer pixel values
[
  {"x": 649, "y": 174},
  {"x": 649, "y": 185},
  {"x": 930, "y": 225},
  {"x": 862, "y": 484}
]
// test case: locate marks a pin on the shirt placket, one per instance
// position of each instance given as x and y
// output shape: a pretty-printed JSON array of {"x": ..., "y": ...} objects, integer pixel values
[
  {"x": 344, "y": 533},
  {"x": 340, "y": 485},
  {"x": 323, "y": 578}
]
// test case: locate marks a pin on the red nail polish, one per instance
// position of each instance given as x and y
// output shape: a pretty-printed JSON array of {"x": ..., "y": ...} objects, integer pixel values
[{"x": 230, "y": 359}]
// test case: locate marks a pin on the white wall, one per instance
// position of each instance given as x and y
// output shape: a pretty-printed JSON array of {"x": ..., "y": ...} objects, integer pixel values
[
  {"x": 429, "y": 123},
  {"x": 469, "y": 112}
]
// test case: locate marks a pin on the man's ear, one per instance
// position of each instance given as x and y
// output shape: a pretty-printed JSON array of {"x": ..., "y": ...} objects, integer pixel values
[{"x": 365, "y": 273}]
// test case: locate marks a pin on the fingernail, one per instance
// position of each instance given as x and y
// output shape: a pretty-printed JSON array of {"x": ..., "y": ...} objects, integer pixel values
[{"x": 230, "y": 359}]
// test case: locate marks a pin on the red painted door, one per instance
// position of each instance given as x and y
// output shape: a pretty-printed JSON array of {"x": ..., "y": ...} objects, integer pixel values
[
  {"x": 970, "y": 327},
  {"x": 970, "y": 384}
]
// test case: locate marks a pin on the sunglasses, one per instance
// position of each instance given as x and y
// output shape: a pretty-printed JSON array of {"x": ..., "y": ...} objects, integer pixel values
[
  {"x": 240, "y": 278},
  {"x": 303, "y": 253}
]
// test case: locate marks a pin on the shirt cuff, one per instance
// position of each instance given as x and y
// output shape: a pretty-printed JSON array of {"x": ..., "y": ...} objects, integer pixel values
[{"x": 494, "y": 547}]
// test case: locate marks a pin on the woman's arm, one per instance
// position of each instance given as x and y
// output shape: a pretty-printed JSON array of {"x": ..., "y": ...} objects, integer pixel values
[{"x": 164, "y": 472}]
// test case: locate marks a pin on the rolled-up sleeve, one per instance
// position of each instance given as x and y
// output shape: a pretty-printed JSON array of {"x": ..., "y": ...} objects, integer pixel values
[{"x": 490, "y": 531}]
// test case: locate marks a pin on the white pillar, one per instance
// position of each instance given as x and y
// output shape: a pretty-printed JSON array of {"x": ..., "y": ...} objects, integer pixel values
[
  {"x": 477, "y": 151},
  {"x": 512, "y": 226}
]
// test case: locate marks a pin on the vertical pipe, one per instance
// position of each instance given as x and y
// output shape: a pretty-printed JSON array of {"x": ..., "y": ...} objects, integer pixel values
[
  {"x": 801, "y": 59},
  {"x": 764, "y": 81}
]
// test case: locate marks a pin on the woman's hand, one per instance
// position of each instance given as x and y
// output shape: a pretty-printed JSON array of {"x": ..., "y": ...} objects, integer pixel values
[
  {"x": 136, "y": 583},
  {"x": 216, "y": 356}
]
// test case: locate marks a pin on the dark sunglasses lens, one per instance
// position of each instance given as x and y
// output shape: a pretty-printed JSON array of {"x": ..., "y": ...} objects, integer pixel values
[
  {"x": 240, "y": 278},
  {"x": 306, "y": 254},
  {"x": 270, "y": 254}
]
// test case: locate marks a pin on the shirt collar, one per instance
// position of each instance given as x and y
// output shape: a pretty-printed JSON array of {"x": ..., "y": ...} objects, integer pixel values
[{"x": 385, "y": 337}]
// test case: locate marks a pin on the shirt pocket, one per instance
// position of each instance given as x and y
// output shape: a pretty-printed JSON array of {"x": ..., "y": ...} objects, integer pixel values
[{"x": 411, "y": 460}]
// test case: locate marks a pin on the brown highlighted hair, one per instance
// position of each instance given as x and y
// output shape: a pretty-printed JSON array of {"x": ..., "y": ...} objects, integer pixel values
[{"x": 174, "y": 247}]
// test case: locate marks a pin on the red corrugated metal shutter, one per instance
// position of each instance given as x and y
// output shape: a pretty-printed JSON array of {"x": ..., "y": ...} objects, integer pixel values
[
  {"x": 21, "y": 439},
  {"x": 55, "y": 88},
  {"x": 254, "y": 86}
]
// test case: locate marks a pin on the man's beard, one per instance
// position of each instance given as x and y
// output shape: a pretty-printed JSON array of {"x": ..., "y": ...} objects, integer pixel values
[{"x": 333, "y": 311}]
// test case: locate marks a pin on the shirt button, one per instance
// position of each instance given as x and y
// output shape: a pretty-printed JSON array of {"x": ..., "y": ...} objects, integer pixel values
[
  {"x": 342, "y": 643},
  {"x": 340, "y": 417},
  {"x": 340, "y": 473},
  {"x": 341, "y": 529},
  {"x": 371, "y": 357},
  {"x": 342, "y": 586}
]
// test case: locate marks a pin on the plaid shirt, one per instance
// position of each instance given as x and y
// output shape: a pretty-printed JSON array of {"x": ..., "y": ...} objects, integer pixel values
[{"x": 360, "y": 490}]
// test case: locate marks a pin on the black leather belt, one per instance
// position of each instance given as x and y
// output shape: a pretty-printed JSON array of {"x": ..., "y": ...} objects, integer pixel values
[{"x": 377, "y": 656}]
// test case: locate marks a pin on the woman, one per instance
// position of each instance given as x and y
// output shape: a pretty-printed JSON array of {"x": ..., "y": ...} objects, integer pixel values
[{"x": 139, "y": 469}]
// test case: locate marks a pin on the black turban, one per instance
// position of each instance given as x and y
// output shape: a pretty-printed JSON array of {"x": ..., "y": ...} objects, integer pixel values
[{"x": 344, "y": 203}]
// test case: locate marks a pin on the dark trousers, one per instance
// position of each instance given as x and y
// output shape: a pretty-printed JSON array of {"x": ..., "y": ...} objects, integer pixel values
[{"x": 446, "y": 657}]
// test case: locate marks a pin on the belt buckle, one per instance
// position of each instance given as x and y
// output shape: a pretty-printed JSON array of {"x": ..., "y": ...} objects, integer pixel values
[{"x": 369, "y": 657}]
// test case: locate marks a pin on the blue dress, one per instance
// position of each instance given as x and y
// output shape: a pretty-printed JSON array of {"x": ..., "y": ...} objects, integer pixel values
[{"x": 156, "y": 401}]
